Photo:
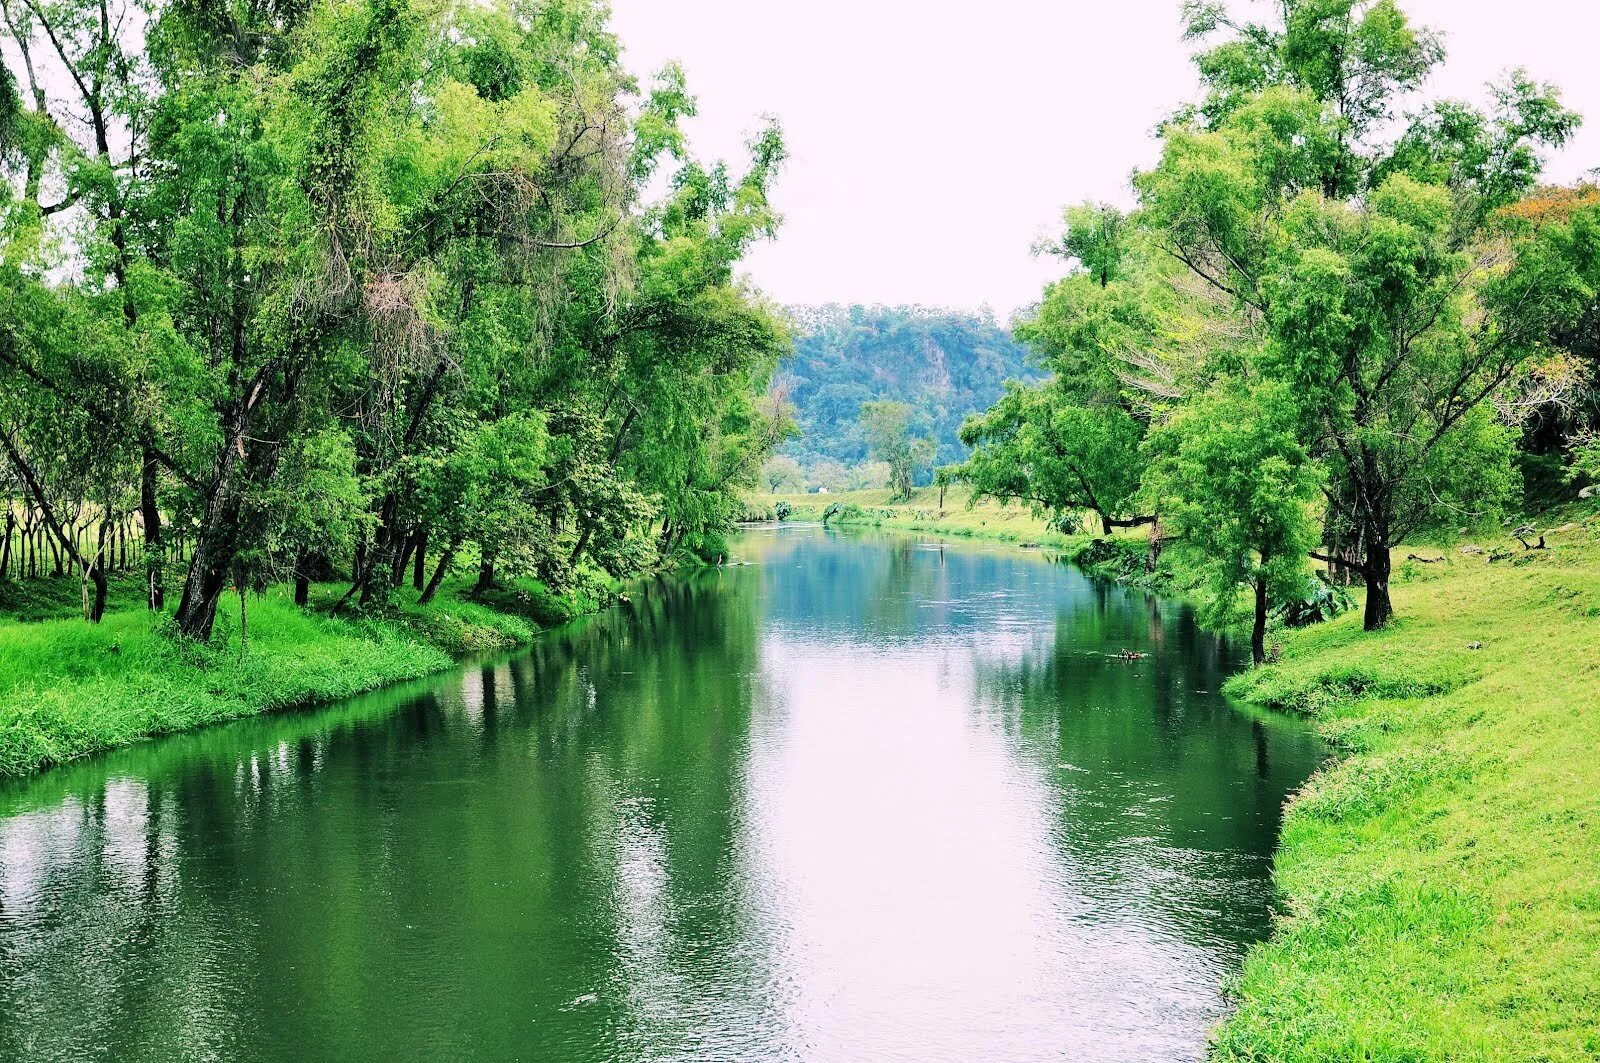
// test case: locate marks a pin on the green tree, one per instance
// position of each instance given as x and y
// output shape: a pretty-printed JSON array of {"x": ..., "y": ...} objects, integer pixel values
[
  {"x": 888, "y": 427},
  {"x": 1388, "y": 307},
  {"x": 1231, "y": 475},
  {"x": 782, "y": 475}
]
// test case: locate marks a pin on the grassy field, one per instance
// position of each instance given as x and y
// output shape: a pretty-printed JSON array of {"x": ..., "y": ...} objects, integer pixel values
[
  {"x": 1442, "y": 879},
  {"x": 986, "y": 520},
  {"x": 69, "y": 689}
]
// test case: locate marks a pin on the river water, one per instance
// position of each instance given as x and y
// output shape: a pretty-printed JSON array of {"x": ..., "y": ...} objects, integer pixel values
[{"x": 863, "y": 798}]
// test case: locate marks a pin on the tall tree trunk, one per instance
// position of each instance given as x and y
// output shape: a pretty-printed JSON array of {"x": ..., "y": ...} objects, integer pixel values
[
  {"x": 5, "y": 553},
  {"x": 1258, "y": 632},
  {"x": 1152, "y": 556},
  {"x": 485, "y": 576},
  {"x": 438, "y": 575},
  {"x": 302, "y": 579},
  {"x": 150, "y": 517},
  {"x": 419, "y": 561},
  {"x": 1380, "y": 609},
  {"x": 97, "y": 576},
  {"x": 202, "y": 588},
  {"x": 398, "y": 575}
]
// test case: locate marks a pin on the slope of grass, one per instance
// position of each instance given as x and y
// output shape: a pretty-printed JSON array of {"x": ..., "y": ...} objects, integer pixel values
[
  {"x": 1442, "y": 879},
  {"x": 69, "y": 689}
]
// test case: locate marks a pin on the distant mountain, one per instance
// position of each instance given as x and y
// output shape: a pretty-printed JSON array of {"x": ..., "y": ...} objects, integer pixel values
[{"x": 945, "y": 363}]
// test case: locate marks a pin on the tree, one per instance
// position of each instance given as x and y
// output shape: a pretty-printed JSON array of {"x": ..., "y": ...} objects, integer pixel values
[
  {"x": 1072, "y": 442},
  {"x": 1230, "y": 474},
  {"x": 887, "y": 426},
  {"x": 1060, "y": 457},
  {"x": 828, "y": 474},
  {"x": 1388, "y": 306},
  {"x": 868, "y": 476},
  {"x": 782, "y": 475},
  {"x": 329, "y": 286}
]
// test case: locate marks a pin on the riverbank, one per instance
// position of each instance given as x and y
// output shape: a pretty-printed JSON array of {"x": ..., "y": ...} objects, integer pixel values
[
  {"x": 1440, "y": 879},
  {"x": 69, "y": 689},
  {"x": 1121, "y": 558},
  {"x": 923, "y": 512}
]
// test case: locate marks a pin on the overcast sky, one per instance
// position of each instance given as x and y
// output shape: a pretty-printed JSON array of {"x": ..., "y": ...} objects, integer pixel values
[{"x": 934, "y": 143}]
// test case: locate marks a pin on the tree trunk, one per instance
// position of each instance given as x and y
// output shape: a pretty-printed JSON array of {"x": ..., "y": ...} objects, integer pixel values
[
  {"x": 438, "y": 575},
  {"x": 150, "y": 517},
  {"x": 419, "y": 561},
  {"x": 202, "y": 589},
  {"x": 485, "y": 576},
  {"x": 302, "y": 579},
  {"x": 1258, "y": 632},
  {"x": 398, "y": 575},
  {"x": 1152, "y": 557},
  {"x": 5, "y": 553},
  {"x": 1380, "y": 610},
  {"x": 97, "y": 577}
]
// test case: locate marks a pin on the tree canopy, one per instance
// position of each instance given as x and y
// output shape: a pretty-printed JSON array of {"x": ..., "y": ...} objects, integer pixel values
[
  {"x": 332, "y": 287},
  {"x": 1326, "y": 281}
]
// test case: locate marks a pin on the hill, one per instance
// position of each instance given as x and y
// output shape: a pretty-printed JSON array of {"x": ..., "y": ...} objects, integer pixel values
[{"x": 945, "y": 363}]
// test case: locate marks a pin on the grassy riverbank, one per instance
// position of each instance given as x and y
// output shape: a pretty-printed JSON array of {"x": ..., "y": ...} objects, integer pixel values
[
  {"x": 69, "y": 689},
  {"x": 1442, "y": 879},
  {"x": 923, "y": 512}
]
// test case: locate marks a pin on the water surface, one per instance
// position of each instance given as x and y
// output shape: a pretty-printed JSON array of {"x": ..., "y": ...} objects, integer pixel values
[{"x": 865, "y": 798}]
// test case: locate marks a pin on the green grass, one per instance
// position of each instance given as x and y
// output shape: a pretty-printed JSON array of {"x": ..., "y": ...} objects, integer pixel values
[
  {"x": 1441, "y": 880},
  {"x": 69, "y": 689},
  {"x": 986, "y": 520}
]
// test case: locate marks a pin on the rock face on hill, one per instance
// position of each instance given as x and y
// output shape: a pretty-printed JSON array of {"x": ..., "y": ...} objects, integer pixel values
[{"x": 945, "y": 363}]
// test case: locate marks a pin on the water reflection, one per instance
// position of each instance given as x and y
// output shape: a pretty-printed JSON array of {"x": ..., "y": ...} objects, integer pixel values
[{"x": 866, "y": 798}]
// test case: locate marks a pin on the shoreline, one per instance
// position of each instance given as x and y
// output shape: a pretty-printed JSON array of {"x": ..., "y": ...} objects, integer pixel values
[
  {"x": 1440, "y": 895},
  {"x": 71, "y": 691}
]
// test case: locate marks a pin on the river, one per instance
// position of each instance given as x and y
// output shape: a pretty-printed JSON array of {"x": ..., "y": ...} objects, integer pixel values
[{"x": 862, "y": 798}]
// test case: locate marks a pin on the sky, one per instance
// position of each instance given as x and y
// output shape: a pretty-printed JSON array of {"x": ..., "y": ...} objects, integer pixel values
[{"x": 934, "y": 143}]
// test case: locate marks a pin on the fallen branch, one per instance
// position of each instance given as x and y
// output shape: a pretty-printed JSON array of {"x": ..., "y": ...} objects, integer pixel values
[{"x": 1522, "y": 535}]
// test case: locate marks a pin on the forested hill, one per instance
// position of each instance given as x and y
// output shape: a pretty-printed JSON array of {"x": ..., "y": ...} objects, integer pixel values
[{"x": 944, "y": 363}]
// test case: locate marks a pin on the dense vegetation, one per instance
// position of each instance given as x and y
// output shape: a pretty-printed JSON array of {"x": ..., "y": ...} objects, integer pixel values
[
  {"x": 1341, "y": 315},
  {"x": 364, "y": 289},
  {"x": 944, "y": 364}
]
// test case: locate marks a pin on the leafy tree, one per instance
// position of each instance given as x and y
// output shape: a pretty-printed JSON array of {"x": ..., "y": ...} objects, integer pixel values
[
  {"x": 1231, "y": 475},
  {"x": 325, "y": 287},
  {"x": 1072, "y": 442},
  {"x": 782, "y": 475},
  {"x": 828, "y": 474},
  {"x": 1388, "y": 307},
  {"x": 868, "y": 476},
  {"x": 887, "y": 426}
]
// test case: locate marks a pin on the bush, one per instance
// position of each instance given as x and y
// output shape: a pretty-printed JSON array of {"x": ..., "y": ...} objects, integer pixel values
[{"x": 1322, "y": 602}]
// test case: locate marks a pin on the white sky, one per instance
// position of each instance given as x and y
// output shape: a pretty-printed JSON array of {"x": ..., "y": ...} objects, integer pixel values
[{"x": 933, "y": 143}]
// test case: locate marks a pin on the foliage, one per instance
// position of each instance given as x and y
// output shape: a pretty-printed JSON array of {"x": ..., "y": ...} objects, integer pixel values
[
  {"x": 944, "y": 363},
  {"x": 1233, "y": 478},
  {"x": 361, "y": 285},
  {"x": 887, "y": 427},
  {"x": 1315, "y": 294},
  {"x": 783, "y": 475}
]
